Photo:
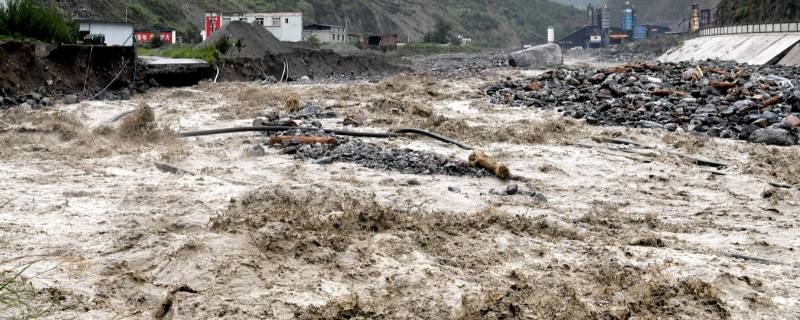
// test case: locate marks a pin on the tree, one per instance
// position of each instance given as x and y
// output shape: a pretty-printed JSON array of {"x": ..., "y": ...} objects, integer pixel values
[
  {"x": 441, "y": 33},
  {"x": 29, "y": 19},
  {"x": 313, "y": 40},
  {"x": 156, "y": 42},
  {"x": 239, "y": 45},
  {"x": 221, "y": 47}
]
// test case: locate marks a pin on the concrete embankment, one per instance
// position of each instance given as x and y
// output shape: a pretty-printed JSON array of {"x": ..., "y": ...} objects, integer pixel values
[{"x": 755, "y": 49}]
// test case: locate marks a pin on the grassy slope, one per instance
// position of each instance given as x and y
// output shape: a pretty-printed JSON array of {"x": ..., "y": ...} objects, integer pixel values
[
  {"x": 492, "y": 23},
  {"x": 754, "y": 11}
]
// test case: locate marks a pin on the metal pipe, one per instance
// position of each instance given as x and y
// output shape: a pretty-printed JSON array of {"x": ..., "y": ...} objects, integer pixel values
[{"x": 393, "y": 134}]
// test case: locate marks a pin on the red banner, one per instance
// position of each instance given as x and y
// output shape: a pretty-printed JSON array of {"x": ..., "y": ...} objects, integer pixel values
[
  {"x": 147, "y": 37},
  {"x": 213, "y": 23}
]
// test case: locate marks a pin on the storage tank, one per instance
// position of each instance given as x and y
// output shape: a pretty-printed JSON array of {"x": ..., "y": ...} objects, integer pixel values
[
  {"x": 628, "y": 17},
  {"x": 694, "y": 24}
]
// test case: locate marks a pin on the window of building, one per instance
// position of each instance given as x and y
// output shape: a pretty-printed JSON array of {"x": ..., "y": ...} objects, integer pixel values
[
  {"x": 260, "y": 21},
  {"x": 287, "y": 20},
  {"x": 276, "y": 22}
]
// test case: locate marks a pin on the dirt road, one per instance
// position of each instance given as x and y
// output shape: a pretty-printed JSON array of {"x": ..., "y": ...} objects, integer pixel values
[{"x": 113, "y": 225}]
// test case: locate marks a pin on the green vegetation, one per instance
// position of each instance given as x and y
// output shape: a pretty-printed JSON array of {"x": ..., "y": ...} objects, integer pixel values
[
  {"x": 442, "y": 33},
  {"x": 213, "y": 53},
  {"x": 314, "y": 40},
  {"x": 16, "y": 299},
  {"x": 432, "y": 48},
  {"x": 27, "y": 19},
  {"x": 731, "y": 12},
  {"x": 156, "y": 42},
  {"x": 184, "y": 51}
]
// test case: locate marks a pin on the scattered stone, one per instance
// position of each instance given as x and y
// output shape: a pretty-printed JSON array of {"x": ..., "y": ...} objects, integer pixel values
[
  {"x": 256, "y": 151},
  {"x": 453, "y": 189},
  {"x": 372, "y": 156},
  {"x": 324, "y": 161},
  {"x": 713, "y": 98},
  {"x": 773, "y": 136},
  {"x": 70, "y": 99},
  {"x": 791, "y": 122}
]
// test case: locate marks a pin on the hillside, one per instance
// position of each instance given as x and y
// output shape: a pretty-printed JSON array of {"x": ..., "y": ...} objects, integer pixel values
[
  {"x": 754, "y": 11},
  {"x": 489, "y": 23}
]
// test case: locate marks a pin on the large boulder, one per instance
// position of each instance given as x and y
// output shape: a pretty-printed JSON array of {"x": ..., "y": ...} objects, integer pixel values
[
  {"x": 544, "y": 56},
  {"x": 773, "y": 136}
]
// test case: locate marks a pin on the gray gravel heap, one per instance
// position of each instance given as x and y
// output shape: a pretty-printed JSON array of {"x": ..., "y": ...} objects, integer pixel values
[
  {"x": 634, "y": 97},
  {"x": 376, "y": 157}
]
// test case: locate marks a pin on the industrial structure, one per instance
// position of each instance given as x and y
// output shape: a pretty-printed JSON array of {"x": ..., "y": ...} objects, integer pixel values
[
  {"x": 286, "y": 26},
  {"x": 325, "y": 33},
  {"x": 600, "y": 32}
]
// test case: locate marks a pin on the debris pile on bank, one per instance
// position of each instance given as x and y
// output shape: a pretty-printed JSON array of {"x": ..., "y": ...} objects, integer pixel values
[
  {"x": 720, "y": 99},
  {"x": 374, "y": 156}
]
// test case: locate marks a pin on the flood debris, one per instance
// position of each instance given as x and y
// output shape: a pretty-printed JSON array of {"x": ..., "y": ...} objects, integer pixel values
[
  {"x": 481, "y": 160},
  {"x": 375, "y": 156},
  {"x": 718, "y": 99}
]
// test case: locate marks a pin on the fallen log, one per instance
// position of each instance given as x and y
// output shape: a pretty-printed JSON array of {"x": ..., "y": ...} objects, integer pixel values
[
  {"x": 481, "y": 160},
  {"x": 302, "y": 139},
  {"x": 722, "y": 85}
]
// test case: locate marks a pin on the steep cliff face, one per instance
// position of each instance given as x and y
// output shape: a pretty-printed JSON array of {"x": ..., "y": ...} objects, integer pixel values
[
  {"x": 756, "y": 11},
  {"x": 490, "y": 23}
]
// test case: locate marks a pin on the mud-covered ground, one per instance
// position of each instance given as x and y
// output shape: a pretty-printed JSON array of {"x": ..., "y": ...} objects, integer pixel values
[{"x": 123, "y": 220}]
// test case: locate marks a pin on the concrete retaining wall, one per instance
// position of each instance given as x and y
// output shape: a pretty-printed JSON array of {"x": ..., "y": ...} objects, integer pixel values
[{"x": 755, "y": 49}]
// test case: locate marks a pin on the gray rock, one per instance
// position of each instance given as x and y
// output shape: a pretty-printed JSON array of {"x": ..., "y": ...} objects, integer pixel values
[
  {"x": 257, "y": 151},
  {"x": 773, "y": 136},
  {"x": 547, "y": 55},
  {"x": 46, "y": 101},
  {"x": 70, "y": 99},
  {"x": 453, "y": 189},
  {"x": 324, "y": 161},
  {"x": 512, "y": 189}
]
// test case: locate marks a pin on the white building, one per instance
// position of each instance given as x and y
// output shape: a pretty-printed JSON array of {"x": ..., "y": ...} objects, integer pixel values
[
  {"x": 286, "y": 26},
  {"x": 325, "y": 33},
  {"x": 115, "y": 33}
]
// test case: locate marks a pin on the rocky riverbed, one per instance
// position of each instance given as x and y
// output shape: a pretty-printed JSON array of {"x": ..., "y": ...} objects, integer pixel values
[{"x": 718, "y": 99}]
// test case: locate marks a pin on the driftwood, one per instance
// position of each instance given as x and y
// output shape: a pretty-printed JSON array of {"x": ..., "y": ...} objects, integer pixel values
[
  {"x": 168, "y": 168},
  {"x": 722, "y": 85},
  {"x": 481, "y": 160},
  {"x": 695, "y": 160}
]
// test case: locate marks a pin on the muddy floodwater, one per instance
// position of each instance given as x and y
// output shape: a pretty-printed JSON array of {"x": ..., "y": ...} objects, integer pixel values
[{"x": 125, "y": 220}]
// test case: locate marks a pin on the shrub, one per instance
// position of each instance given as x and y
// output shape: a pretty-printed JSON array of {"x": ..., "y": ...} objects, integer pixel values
[
  {"x": 313, "y": 40},
  {"x": 156, "y": 43},
  {"x": 27, "y": 19}
]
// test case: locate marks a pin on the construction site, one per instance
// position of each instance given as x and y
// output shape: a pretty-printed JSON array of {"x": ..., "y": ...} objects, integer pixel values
[{"x": 287, "y": 181}]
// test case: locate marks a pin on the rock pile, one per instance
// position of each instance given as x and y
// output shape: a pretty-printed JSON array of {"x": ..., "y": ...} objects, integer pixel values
[
  {"x": 372, "y": 156},
  {"x": 720, "y": 99},
  {"x": 35, "y": 101},
  {"x": 459, "y": 65}
]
